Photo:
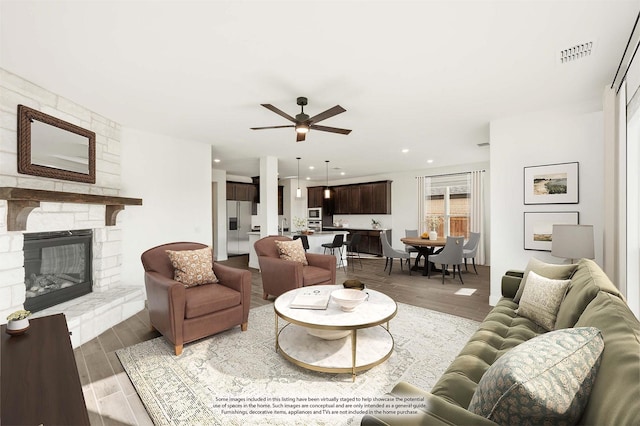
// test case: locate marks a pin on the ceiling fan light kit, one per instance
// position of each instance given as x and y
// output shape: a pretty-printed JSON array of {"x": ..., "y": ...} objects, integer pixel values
[{"x": 303, "y": 123}]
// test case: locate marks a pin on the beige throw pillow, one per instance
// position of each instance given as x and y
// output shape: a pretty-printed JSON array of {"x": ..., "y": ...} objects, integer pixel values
[
  {"x": 193, "y": 267},
  {"x": 547, "y": 270},
  {"x": 292, "y": 250},
  {"x": 541, "y": 300}
]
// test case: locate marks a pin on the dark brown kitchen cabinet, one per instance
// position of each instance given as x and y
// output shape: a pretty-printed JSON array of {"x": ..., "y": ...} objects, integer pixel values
[
  {"x": 363, "y": 198},
  {"x": 315, "y": 196},
  {"x": 280, "y": 200},
  {"x": 381, "y": 197},
  {"x": 238, "y": 191},
  {"x": 369, "y": 241}
]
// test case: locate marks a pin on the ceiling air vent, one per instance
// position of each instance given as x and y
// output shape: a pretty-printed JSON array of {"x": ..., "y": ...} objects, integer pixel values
[
  {"x": 483, "y": 144},
  {"x": 576, "y": 52}
]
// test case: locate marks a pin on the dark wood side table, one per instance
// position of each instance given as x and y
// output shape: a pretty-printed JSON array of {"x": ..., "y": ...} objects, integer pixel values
[{"x": 40, "y": 383}]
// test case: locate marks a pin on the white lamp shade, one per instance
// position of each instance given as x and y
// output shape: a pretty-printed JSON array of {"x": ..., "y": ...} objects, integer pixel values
[{"x": 573, "y": 241}]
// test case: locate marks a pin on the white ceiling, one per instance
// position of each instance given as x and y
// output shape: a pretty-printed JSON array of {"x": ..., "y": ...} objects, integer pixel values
[{"x": 427, "y": 76}]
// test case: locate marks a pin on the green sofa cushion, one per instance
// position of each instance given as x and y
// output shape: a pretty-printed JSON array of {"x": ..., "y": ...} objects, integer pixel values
[
  {"x": 615, "y": 397},
  {"x": 546, "y": 380},
  {"x": 547, "y": 270},
  {"x": 500, "y": 331},
  {"x": 585, "y": 284}
]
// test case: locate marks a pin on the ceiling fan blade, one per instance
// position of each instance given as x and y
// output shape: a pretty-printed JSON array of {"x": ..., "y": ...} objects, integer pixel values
[
  {"x": 300, "y": 137},
  {"x": 328, "y": 113},
  {"x": 279, "y": 112},
  {"x": 330, "y": 129},
  {"x": 272, "y": 127}
]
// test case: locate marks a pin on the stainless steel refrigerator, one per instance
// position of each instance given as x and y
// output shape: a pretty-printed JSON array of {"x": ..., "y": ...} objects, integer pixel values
[{"x": 238, "y": 224}]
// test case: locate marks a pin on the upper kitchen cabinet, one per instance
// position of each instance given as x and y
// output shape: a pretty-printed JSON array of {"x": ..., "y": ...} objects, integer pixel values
[
  {"x": 381, "y": 197},
  {"x": 364, "y": 198},
  {"x": 238, "y": 191},
  {"x": 315, "y": 196}
]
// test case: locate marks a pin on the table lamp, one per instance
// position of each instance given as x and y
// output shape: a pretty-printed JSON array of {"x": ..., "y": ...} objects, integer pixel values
[{"x": 572, "y": 242}]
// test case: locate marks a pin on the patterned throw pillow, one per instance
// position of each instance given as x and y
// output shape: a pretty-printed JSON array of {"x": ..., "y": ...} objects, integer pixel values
[
  {"x": 292, "y": 250},
  {"x": 547, "y": 270},
  {"x": 541, "y": 300},
  {"x": 545, "y": 380},
  {"x": 193, "y": 267}
]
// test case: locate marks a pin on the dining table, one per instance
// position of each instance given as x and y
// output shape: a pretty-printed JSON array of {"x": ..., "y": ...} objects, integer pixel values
[{"x": 425, "y": 248}]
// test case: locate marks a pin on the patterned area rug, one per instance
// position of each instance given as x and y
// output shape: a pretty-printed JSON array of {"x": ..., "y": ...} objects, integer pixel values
[{"x": 238, "y": 378}]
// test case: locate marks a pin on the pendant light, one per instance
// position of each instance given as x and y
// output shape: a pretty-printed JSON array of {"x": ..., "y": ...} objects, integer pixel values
[
  {"x": 327, "y": 193},
  {"x": 298, "y": 191}
]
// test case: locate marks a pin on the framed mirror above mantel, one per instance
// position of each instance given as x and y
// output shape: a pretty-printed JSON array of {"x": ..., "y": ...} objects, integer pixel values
[{"x": 53, "y": 148}]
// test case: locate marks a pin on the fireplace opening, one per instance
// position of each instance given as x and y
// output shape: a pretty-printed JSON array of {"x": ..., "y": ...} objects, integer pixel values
[{"x": 57, "y": 267}]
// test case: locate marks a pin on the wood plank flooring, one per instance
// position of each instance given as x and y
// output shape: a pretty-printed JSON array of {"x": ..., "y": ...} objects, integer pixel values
[{"x": 112, "y": 400}]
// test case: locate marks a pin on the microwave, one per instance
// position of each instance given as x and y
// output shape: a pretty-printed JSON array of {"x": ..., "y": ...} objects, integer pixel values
[{"x": 314, "y": 213}]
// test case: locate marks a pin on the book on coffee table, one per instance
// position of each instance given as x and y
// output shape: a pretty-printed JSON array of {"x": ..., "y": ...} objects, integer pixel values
[{"x": 311, "y": 299}]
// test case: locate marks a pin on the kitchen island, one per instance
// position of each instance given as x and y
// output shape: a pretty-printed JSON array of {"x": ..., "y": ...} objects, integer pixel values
[
  {"x": 315, "y": 244},
  {"x": 369, "y": 238}
]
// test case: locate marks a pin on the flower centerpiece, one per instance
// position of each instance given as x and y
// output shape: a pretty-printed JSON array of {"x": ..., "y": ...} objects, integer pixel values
[
  {"x": 433, "y": 221},
  {"x": 300, "y": 223},
  {"x": 18, "y": 322}
]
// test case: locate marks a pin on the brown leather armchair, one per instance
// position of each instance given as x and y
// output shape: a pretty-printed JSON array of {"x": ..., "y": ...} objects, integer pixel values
[
  {"x": 280, "y": 276},
  {"x": 183, "y": 314}
]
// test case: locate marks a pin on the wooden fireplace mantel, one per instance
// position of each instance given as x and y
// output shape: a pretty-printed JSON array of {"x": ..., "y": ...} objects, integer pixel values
[{"x": 21, "y": 201}]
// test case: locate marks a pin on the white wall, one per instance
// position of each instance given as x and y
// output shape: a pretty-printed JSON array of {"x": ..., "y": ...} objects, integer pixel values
[
  {"x": 547, "y": 137},
  {"x": 173, "y": 178}
]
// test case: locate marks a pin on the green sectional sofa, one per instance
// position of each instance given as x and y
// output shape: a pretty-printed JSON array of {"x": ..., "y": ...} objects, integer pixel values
[{"x": 591, "y": 300}]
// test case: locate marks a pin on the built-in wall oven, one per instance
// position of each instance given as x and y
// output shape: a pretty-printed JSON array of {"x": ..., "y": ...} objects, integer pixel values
[
  {"x": 314, "y": 218},
  {"x": 314, "y": 224},
  {"x": 314, "y": 213}
]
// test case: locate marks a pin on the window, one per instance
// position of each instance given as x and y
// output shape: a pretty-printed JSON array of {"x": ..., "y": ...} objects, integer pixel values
[{"x": 447, "y": 197}]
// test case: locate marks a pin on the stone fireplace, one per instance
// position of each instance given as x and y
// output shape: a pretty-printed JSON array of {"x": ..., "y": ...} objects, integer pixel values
[{"x": 32, "y": 204}]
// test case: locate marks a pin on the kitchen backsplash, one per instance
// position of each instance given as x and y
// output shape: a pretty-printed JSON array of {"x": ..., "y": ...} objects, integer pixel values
[{"x": 362, "y": 221}]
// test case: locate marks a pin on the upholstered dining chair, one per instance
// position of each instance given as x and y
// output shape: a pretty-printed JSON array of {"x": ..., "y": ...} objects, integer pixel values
[
  {"x": 390, "y": 253},
  {"x": 183, "y": 314},
  {"x": 410, "y": 233},
  {"x": 470, "y": 250},
  {"x": 451, "y": 254},
  {"x": 280, "y": 275}
]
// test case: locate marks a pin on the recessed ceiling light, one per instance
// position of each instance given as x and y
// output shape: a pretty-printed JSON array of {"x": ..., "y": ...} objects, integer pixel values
[
  {"x": 308, "y": 178},
  {"x": 311, "y": 167},
  {"x": 404, "y": 151},
  {"x": 429, "y": 161},
  {"x": 342, "y": 173},
  {"x": 216, "y": 160}
]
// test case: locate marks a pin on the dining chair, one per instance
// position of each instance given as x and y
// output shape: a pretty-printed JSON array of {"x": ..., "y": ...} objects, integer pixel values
[
  {"x": 410, "y": 233},
  {"x": 470, "y": 249},
  {"x": 451, "y": 254},
  {"x": 352, "y": 249},
  {"x": 390, "y": 253},
  {"x": 337, "y": 243}
]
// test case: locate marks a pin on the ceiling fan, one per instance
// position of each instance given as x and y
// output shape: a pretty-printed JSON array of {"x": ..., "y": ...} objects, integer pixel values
[{"x": 302, "y": 122}]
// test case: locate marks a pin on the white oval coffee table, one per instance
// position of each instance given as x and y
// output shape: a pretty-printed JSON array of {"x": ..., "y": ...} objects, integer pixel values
[{"x": 367, "y": 344}]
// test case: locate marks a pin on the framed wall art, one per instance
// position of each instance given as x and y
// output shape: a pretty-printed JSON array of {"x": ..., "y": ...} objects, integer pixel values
[
  {"x": 551, "y": 184},
  {"x": 538, "y": 228}
]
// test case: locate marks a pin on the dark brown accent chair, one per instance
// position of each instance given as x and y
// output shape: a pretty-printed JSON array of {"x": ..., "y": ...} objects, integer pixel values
[
  {"x": 280, "y": 276},
  {"x": 183, "y": 314}
]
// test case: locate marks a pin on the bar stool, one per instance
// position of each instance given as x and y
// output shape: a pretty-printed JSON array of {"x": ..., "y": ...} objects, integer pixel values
[
  {"x": 352, "y": 249},
  {"x": 305, "y": 241},
  {"x": 338, "y": 242}
]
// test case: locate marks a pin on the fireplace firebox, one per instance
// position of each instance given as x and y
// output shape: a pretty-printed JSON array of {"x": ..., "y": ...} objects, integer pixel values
[{"x": 57, "y": 267}]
